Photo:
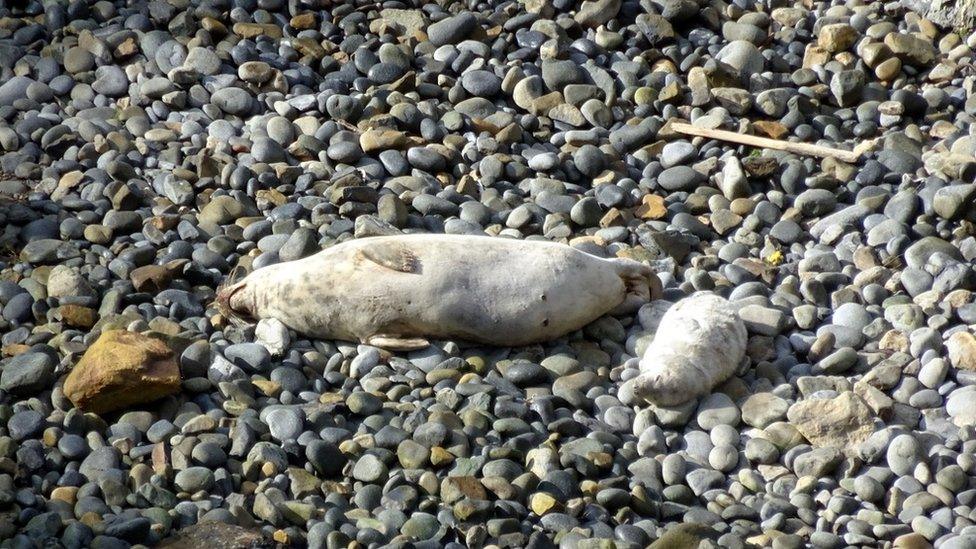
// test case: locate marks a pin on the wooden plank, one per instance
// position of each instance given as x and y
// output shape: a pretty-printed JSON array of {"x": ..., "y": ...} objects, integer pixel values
[{"x": 807, "y": 149}]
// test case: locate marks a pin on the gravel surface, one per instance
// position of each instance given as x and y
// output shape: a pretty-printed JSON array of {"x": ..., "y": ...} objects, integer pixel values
[{"x": 151, "y": 148}]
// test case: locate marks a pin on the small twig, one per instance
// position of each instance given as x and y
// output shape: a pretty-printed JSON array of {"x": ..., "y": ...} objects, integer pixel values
[
  {"x": 347, "y": 125},
  {"x": 779, "y": 145}
]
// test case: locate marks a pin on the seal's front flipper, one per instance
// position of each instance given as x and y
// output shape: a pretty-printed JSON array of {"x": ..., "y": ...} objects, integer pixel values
[
  {"x": 392, "y": 256},
  {"x": 394, "y": 343}
]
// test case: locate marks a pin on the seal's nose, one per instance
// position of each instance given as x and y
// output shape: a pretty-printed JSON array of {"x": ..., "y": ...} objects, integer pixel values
[{"x": 231, "y": 303}]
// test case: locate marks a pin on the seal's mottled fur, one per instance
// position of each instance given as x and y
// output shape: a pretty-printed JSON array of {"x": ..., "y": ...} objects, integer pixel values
[{"x": 400, "y": 291}]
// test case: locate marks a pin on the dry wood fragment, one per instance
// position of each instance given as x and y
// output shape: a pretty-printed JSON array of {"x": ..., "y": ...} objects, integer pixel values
[{"x": 777, "y": 144}]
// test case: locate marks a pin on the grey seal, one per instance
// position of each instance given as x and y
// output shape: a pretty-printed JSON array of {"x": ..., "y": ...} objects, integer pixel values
[
  {"x": 700, "y": 343},
  {"x": 398, "y": 292}
]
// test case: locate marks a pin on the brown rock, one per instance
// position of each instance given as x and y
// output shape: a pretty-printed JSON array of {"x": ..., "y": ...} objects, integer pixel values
[
  {"x": 164, "y": 222},
  {"x": 67, "y": 182},
  {"x": 439, "y": 456},
  {"x": 873, "y": 54},
  {"x": 911, "y": 541},
  {"x": 612, "y": 218},
  {"x": 165, "y": 326},
  {"x": 457, "y": 488},
  {"x": 876, "y": 399},
  {"x": 216, "y": 535},
  {"x": 670, "y": 93},
  {"x": 255, "y": 72},
  {"x": 760, "y": 410},
  {"x": 511, "y": 133},
  {"x": 67, "y": 494},
  {"x": 150, "y": 278},
  {"x": 894, "y": 340},
  {"x": 651, "y": 207},
  {"x": 406, "y": 22},
  {"x": 271, "y": 195},
  {"x": 640, "y": 253},
  {"x": 78, "y": 316},
  {"x": 567, "y": 114},
  {"x": 593, "y": 13},
  {"x": 267, "y": 387},
  {"x": 15, "y": 349},
  {"x": 98, "y": 234},
  {"x": 685, "y": 535},
  {"x": 250, "y": 30},
  {"x": 213, "y": 26},
  {"x": 888, "y": 69},
  {"x": 127, "y": 48},
  {"x": 760, "y": 166},
  {"x": 783, "y": 435},
  {"x": 788, "y": 17},
  {"x": 910, "y": 48},
  {"x": 770, "y": 128},
  {"x": 155, "y": 278},
  {"x": 837, "y": 37},
  {"x": 843, "y": 421},
  {"x": 500, "y": 487},
  {"x": 377, "y": 139},
  {"x": 121, "y": 369},
  {"x": 700, "y": 88},
  {"x": 160, "y": 459},
  {"x": 962, "y": 351},
  {"x": 308, "y": 46},
  {"x": 225, "y": 209},
  {"x": 304, "y": 20},
  {"x": 542, "y": 105},
  {"x": 608, "y": 177},
  {"x": 815, "y": 55},
  {"x": 542, "y": 503},
  {"x": 468, "y": 185},
  {"x": 124, "y": 199},
  {"x": 735, "y": 100}
]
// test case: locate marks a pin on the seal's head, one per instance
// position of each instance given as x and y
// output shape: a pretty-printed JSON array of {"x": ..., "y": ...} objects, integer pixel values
[
  {"x": 235, "y": 300},
  {"x": 648, "y": 387}
]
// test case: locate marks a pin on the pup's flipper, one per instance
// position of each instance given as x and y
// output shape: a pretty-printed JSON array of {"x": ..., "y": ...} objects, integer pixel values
[{"x": 394, "y": 343}]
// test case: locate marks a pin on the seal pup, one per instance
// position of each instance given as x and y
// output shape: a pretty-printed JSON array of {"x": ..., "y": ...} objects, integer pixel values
[
  {"x": 397, "y": 292},
  {"x": 699, "y": 343}
]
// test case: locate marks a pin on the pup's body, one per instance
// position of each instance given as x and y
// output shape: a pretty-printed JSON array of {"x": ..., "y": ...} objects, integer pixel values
[{"x": 699, "y": 344}]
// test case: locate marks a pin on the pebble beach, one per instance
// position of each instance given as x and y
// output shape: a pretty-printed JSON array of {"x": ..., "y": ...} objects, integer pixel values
[{"x": 153, "y": 150}]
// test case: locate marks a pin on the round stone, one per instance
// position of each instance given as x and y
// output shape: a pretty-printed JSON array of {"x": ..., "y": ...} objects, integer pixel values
[
  {"x": 369, "y": 468},
  {"x": 286, "y": 423},
  {"x": 717, "y": 409},
  {"x": 202, "y": 60},
  {"x": 232, "y": 100},
  {"x": 194, "y": 479}
]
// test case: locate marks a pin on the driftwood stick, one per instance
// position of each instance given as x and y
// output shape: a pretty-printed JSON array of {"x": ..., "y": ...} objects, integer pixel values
[{"x": 767, "y": 143}]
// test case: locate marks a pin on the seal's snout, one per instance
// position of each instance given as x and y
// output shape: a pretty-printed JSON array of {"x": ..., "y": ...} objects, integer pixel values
[{"x": 232, "y": 303}]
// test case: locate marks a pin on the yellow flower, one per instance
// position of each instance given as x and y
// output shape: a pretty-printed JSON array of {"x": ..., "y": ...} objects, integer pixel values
[{"x": 775, "y": 258}]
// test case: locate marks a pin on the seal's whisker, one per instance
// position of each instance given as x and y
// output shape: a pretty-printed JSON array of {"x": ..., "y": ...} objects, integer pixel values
[{"x": 222, "y": 297}]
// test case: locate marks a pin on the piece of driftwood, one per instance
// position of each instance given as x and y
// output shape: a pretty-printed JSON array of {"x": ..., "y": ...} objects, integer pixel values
[{"x": 754, "y": 140}]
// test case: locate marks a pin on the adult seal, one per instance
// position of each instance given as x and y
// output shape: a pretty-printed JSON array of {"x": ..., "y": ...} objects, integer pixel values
[{"x": 397, "y": 292}]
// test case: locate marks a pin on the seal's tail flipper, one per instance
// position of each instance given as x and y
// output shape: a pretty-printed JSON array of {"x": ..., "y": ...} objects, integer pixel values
[
  {"x": 642, "y": 285},
  {"x": 394, "y": 343}
]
